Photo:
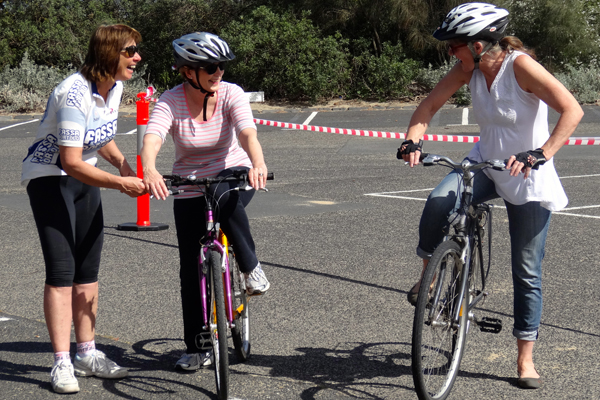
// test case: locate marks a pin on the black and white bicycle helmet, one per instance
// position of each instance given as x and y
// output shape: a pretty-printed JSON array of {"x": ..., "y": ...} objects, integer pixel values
[
  {"x": 200, "y": 48},
  {"x": 474, "y": 21},
  {"x": 471, "y": 22}
]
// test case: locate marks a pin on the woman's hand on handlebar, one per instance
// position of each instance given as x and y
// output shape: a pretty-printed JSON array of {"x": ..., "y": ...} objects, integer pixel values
[
  {"x": 516, "y": 167},
  {"x": 525, "y": 162},
  {"x": 257, "y": 176},
  {"x": 411, "y": 152},
  {"x": 155, "y": 184},
  {"x": 132, "y": 186}
]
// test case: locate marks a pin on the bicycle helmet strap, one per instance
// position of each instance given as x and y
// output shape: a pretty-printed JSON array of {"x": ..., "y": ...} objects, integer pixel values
[
  {"x": 200, "y": 88},
  {"x": 477, "y": 57}
]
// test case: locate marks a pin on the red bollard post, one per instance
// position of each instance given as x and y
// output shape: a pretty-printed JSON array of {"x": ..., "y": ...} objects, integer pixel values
[{"x": 143, "y": 202}]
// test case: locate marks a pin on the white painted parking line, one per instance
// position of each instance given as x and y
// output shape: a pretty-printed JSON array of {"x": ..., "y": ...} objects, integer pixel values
[
  {"x": 20, "y": 123},
  {"x": 392, "y": 195},
  {"x": 576, "y": 215},
  {"x": 464, "y": 120},
  {"x": 306, "y": 122},
  {"x": 310, "y": 118},
  {"x": 2, "y": 319},
  {"x": 131, "y": 132},
  {"x": 400, "y": 191},
  {"x": 580, "y": 208},
  {"x": 579, "y": 176}
]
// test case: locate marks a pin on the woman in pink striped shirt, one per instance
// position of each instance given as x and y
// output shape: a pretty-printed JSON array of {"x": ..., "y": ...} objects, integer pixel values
[{"x": 212, "y": 128}]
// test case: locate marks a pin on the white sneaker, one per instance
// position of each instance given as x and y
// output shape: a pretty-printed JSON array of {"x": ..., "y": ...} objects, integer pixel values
[
  {"x": 193, "y": 361},
  {"x": 63, "y": 378},
  {"x": 256, "y": 281},
  {"x": 98, "y": 365}
]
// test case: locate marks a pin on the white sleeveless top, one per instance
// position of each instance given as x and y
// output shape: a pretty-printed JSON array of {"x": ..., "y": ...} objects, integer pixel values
[{"x": 512, "y": 121}]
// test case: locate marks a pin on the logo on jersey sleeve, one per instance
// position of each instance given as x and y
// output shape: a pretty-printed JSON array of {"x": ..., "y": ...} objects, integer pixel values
[
  {"x": 75, "y": 95},
  {"x": 70, "y": 135},
  {"x": 45, "y": 151}
]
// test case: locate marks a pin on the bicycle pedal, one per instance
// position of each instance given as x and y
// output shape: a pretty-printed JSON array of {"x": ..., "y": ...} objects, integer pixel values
[
  {"x": 490, "y": 325},
  {"x": 203, "y": 341}
]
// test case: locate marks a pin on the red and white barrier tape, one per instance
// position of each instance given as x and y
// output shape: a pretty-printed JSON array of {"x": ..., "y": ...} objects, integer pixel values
[{"x": 576, "y": 141}]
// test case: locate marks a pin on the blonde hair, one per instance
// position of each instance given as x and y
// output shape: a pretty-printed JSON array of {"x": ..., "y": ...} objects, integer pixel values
[{"x": 107, "y": 42}]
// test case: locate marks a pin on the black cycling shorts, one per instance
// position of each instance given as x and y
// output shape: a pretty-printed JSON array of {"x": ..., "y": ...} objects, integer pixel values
[{"x": 68, "y": 215}]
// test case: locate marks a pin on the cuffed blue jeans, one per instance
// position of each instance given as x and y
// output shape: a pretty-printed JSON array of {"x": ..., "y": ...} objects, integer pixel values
[{"x": 528, "y": 227}]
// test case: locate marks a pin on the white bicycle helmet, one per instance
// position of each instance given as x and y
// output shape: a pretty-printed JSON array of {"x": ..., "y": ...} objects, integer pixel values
[
  {"x": 472, "y": 22},
  {"x": 200, "y": 48}
]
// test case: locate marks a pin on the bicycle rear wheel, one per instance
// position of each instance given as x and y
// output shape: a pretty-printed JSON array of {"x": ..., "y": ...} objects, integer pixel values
[
  {"x": 218, "y": 325},
  {"x": 438, "y": 343},
  {"x": 241, "y": 330}
]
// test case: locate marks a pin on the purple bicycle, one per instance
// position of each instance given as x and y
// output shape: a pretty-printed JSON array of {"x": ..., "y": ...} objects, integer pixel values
[{"x": 222, "y": 288}]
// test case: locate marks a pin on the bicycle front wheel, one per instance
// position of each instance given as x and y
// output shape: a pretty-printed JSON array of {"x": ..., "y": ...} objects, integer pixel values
[
  {"x": 241, "y": 329},
  {"x": 438, "y": 342},
  {"x": 218, "y": 326}
]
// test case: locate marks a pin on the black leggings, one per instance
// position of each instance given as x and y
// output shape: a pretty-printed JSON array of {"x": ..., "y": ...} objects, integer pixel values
[
  {"x": 190, "y": 224},
  {"x": 68, "y": 215}
]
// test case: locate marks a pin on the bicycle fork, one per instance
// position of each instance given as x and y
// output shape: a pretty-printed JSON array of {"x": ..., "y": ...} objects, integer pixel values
[{"x": 203, "y": 266}]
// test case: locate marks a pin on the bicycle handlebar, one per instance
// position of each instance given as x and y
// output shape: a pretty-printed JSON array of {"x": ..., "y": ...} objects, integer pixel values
[
  {"x": 191, "y": 180},
  {"x": 499, "y": 165}
]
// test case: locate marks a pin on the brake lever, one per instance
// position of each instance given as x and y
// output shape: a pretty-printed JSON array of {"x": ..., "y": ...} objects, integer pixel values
[{"x": 248, "y": 187}]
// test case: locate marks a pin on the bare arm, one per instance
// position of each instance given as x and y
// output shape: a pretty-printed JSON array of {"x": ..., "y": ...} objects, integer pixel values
[
  {"x": 422, "y": 116},
  {"x": 258, "y": 173},
  {"x": 73, "y": 165},
  {"x": 113, "y": 155},
  {"x": 153, "y": 179},
  {"x": 534, "y": 78}
]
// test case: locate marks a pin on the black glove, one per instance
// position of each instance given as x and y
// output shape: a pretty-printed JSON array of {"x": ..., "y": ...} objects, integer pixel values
[
  {"x": 407, "y": 147},
  {"x": 532, "y": 158}
]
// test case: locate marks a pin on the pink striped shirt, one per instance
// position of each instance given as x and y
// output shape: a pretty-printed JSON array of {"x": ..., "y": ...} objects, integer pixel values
[{"x": 203, "y": 148}]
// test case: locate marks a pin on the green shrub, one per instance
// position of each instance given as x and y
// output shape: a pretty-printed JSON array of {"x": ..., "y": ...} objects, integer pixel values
[
  {"x": 583, "y": 82},
  {"x": 381, "y": 77},
  {"x": 429, "y": 77},
  {"x": 286, "y": 57},
  {"x": 53, "y": 32},
  {"x": 27, "y": 87}
]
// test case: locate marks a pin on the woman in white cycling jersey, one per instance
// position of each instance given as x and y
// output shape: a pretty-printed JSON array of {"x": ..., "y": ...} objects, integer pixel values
[
  {"x": 213, "y": 131},
  {"x": 64, "y": 184},
  {"x": 511, "y": 93}
]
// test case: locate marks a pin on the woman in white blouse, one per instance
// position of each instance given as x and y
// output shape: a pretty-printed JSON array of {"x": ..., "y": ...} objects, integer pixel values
[{"x": 511, "y": 93}]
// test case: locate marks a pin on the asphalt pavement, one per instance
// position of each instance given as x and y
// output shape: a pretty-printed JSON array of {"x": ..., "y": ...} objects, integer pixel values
[{"x": 336, "y": 235}]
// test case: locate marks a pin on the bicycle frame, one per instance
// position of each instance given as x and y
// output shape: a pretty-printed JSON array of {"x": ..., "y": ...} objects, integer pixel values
[
  {"x": 214, "y": 242},
  {"x": 465, "y": 224}
]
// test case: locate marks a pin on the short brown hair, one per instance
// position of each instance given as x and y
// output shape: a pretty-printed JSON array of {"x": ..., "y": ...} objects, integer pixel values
[{"x": 107, "y": 41}]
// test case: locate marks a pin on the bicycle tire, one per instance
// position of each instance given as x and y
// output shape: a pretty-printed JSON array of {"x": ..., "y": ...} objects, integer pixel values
[
  {"x": 241, "y": 329},
  {"x": 218, "y": 326},
  {"x": 437, "y": 346}
]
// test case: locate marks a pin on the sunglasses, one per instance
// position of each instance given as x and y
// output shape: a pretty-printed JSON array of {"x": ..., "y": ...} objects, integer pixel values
[
  {"x": 212, "y": 68},
  {"x": 452, "y": 48},
  {"x": 131, "y": 50}
]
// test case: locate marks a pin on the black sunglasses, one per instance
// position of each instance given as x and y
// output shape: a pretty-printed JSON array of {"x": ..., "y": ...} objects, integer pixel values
[
  {"x": 212, "y": 68},
  {"x": 131, "y": 50}
]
